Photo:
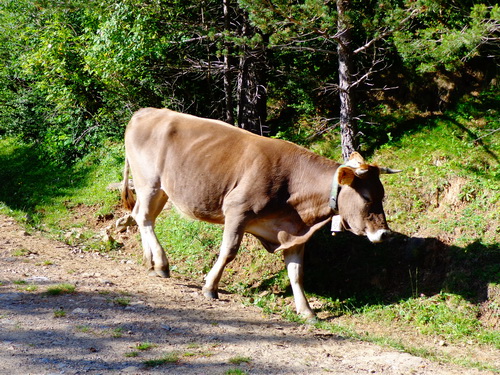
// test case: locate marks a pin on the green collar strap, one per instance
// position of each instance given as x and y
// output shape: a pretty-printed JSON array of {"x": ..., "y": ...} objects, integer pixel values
[{"x": 334, "y": 195}]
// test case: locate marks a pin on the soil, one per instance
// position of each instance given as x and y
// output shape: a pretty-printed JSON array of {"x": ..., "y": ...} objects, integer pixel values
[{"x": 116, "y": 307}]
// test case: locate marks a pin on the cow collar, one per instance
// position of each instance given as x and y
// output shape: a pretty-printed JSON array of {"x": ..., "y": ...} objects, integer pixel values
[{"x": 334, "y": 195}]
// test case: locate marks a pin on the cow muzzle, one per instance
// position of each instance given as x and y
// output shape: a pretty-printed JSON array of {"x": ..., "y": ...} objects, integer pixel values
[
  {"x": 379, "y": 235},
  {"x": 339, "y": 225}
]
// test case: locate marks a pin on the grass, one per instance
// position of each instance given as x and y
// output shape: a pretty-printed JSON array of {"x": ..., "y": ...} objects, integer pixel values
[
  {"x": 143, "y": 346},
  {"x": 235, "y": 371},
  {"x": 116, "y": 332},
  {"x": 83, "y": 328},
  {"x": 21, "y": 253},
  {"x": 60, "y": 313},
  {"x": 61, "y": 289},
  {"x": 447, "y": 316},
  {"x": 28, "y": 288},
  {"x": 239, "y": 360},
  {"x": 168, "y": 358},
  {"x": 121, "y": 301},
  {"x": 430, "y": 282},
  {"x": 43, "y": 195}
]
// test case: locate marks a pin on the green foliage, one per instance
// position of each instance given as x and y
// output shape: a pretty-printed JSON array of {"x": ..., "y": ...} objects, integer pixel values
[
  {"x": 456, "y": 179},
  {"x": 74, "y": 71},
  {"x": 447, "y": 37},
  {"x": 34, "y": 189}
]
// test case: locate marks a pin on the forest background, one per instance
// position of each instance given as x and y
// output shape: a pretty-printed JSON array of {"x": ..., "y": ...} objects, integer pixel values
[{"x": 72, "y": 72}]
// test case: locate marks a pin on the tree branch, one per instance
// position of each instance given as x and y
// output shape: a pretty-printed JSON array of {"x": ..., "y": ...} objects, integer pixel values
[{"x": 385, "y": 34}]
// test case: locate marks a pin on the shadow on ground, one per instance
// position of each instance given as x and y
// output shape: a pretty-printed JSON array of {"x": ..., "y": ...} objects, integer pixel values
[{"x": 346, "y": 265}]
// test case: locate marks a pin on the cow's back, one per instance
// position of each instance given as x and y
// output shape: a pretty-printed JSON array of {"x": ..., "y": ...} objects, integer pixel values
[{"x": 200, "y": 163}]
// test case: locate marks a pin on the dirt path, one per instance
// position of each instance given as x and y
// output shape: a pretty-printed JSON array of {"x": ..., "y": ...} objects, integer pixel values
[{"x": 116, "y": 307}]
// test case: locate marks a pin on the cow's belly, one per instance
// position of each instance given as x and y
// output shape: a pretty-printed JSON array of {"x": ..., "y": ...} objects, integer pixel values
[
  {"x": 274, "y": 231},
  {"x": 199, "y": 213}
]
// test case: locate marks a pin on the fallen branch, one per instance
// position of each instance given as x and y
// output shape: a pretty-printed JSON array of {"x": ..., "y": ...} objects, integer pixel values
[{"x": 486, "y": 135}]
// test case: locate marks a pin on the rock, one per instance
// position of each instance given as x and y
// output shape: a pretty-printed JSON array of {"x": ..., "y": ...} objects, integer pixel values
[
  {"x": 124, "y": 222},
  {"x": 38, "y": 279},
  {"x": 80, "y": 310},
  {"x": 494, "y": 292},
  {"x": 166, "y": 327},
  {"x": 118, "y": 185}
]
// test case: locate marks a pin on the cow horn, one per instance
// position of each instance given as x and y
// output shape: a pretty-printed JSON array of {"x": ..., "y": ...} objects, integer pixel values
[{"x": 384, "y": 170}]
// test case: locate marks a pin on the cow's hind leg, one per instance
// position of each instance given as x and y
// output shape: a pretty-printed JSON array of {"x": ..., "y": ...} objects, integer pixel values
[
  {"x": 149, "y": 204},
  {"x": 294, "y": 259},
  {"x": 233, "y": 233}
]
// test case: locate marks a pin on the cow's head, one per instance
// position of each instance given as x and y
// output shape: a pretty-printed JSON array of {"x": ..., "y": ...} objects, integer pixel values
[{"x": 360, "y": 196}]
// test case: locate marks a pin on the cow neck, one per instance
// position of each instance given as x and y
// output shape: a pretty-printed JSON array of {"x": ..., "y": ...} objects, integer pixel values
[{"x": 334, "y": 195}]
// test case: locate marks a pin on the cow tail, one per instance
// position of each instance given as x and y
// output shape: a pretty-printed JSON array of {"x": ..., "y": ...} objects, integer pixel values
[{"x": 128, "y": 199}]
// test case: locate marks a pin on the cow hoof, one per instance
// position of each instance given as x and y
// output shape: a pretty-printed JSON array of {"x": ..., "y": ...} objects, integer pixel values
[
  {"x": 163, "y": 273},
  {"x": 312, "y": 320},
  {"x": 210, "y": 294},
  {"x": 159, "y": 273},
  {"x": 309, "y": 317}
]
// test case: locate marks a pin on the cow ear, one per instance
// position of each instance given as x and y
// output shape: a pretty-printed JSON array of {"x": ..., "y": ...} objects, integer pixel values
[{"x": 345, "y": 175}]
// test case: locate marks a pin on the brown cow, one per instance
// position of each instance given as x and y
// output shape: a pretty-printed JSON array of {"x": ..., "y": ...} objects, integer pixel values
[{"x": 273, "y": 189}]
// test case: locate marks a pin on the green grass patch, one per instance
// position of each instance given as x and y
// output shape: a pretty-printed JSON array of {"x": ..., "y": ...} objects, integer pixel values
[
  {"x": 143, "y": 346},
  {"x": 59, "y": 289},
  {"x": 83, "y": 328},
  {"x": 446, "y": 315},
  {"x": 21, "y": 253},
  {"x": 235, "y": 371},
  {"x": 121, "y": 301},
  {"x": 238, "y": 360},
  {"x": 28, "y": 288},
  {"x": 43, "y": 195},
  {"x": 168, "y": 358},
  {"x": 116, "y": 332},
  {"x": 192, "y": 245},
  {"x": 59, "y": 313}
]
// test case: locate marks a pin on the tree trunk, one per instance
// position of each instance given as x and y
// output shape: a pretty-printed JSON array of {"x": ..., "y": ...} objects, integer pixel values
[
  {"x": 348, "y": 126},
  {"x": 228, "y": 87},
  {"x": 251, "y": 87}
]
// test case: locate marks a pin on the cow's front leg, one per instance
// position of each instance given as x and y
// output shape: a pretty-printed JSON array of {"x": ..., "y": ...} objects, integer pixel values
[
  {"x": 294, "y": 260},
  {"x": 230, "y": 244}
]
